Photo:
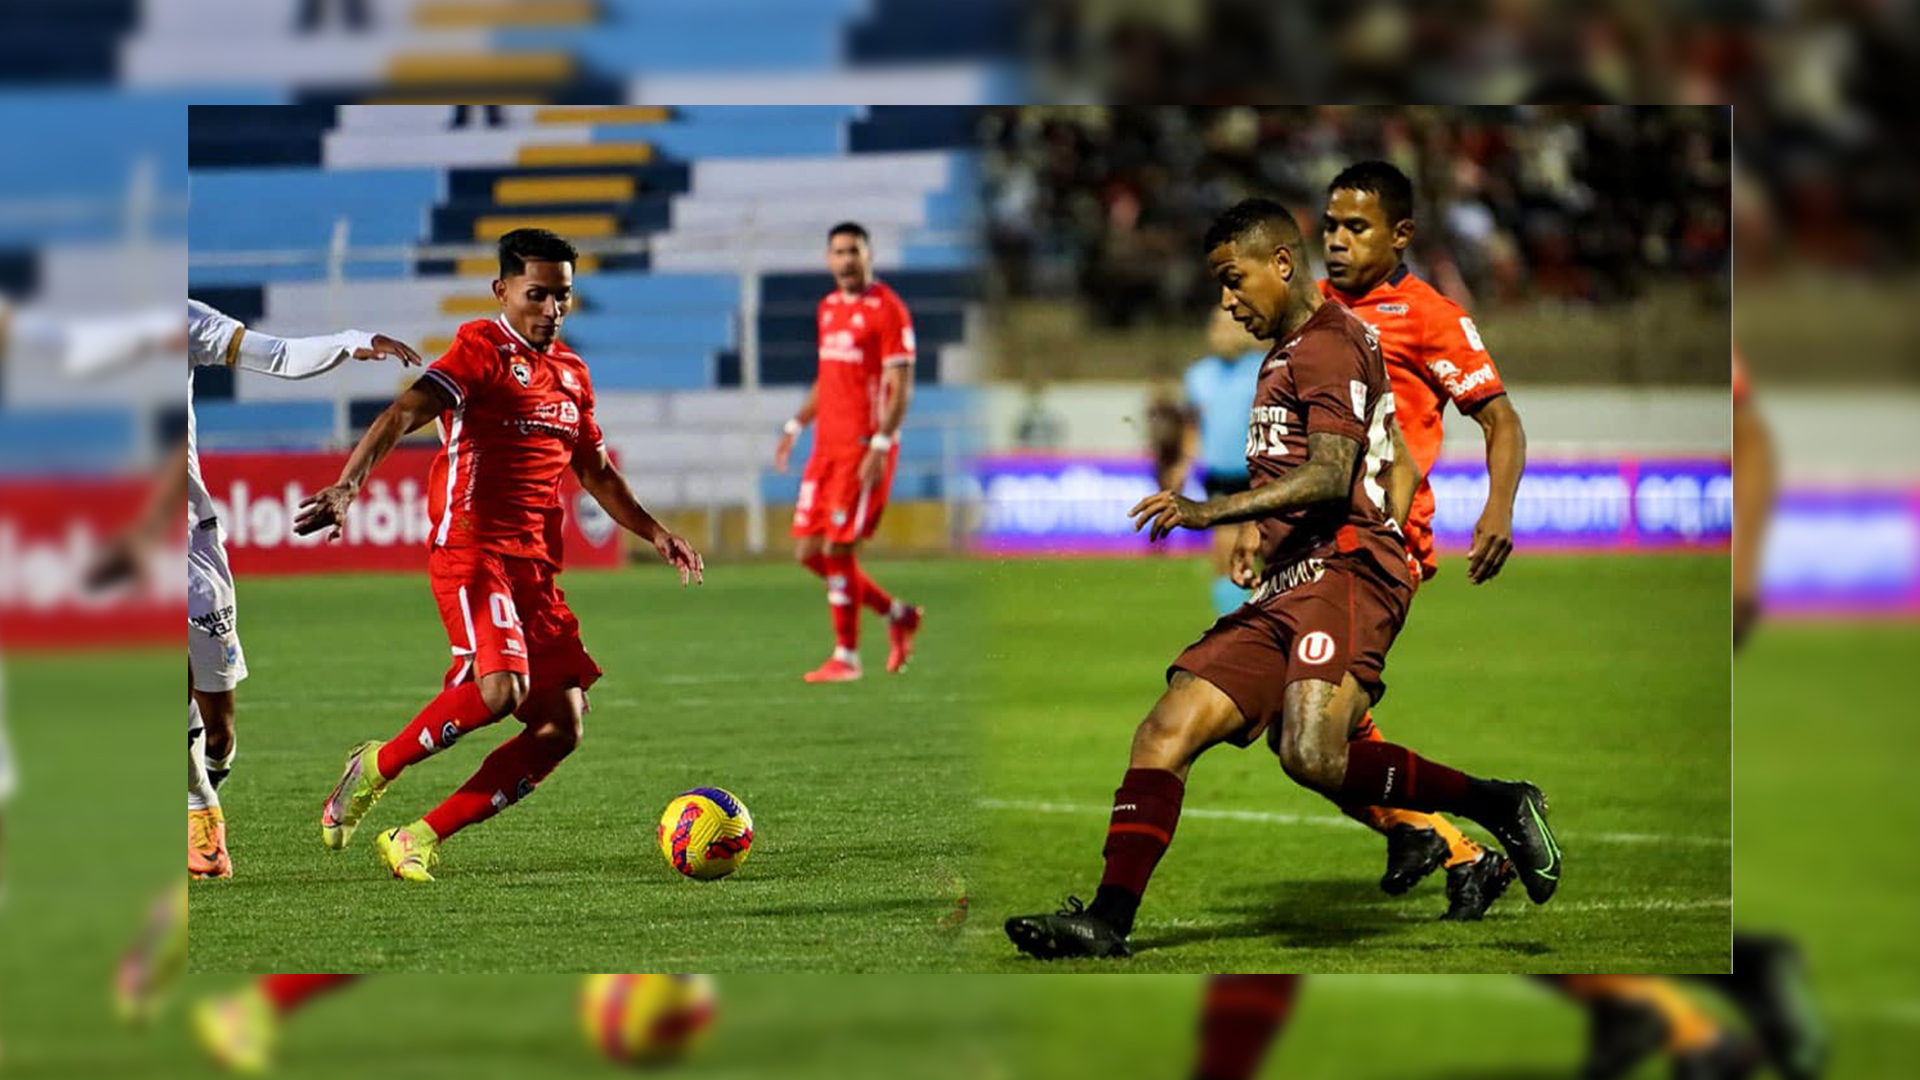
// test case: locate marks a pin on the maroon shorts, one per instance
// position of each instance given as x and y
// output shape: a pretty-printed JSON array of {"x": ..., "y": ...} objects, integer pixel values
[
  {"x": 507, "y": 614},
  {"x": 1317, "y": 619}
]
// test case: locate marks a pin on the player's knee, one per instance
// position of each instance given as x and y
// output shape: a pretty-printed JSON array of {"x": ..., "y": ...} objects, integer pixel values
[
  {"x": 502, "y": 692},
  {"x": 1164, "y": 740},
  {"x": 1308, "y": 756}
]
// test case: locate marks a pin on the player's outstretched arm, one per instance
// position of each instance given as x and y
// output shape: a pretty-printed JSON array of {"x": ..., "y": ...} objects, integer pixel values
[
  {"x": 1327, "y": 474},
  {"x": 1506, "y": 460},
  {"x": 327, "y": 508},
  {"x": 1753, "y": 490},
  {"x": 789, "y": 434},
  {"x": 610, "y": 489},
  {"x": 305, "y": 357}
]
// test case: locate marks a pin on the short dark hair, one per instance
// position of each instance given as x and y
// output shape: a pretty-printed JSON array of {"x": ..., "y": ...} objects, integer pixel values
[
  {"x": 522, "y": 246},
  {"x": 1381, "y": 180},
  {"x": 849, "y": 228},
  {"x": 1249, "y": 216}
]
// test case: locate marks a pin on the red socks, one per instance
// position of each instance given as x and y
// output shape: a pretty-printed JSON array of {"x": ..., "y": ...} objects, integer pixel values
[
  {"x": 843, "y": 600},
  {"x": 508, "y": 775},
  {"x": 873, "y": 596},
  {"x": 1387, "y": 774},
  {"x": 1242, "y": 1015},
  {"x": 458, "y": 710},
  {"x": 1145, "y": 809},
  {"x": 289, "y": 992}
]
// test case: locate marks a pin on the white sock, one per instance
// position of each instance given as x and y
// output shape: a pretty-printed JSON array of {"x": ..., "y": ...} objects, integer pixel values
[
  {"x": 898, "y": 611},
  {"x": 200, "y": 793},
  {"x": 846, "y": 655}
]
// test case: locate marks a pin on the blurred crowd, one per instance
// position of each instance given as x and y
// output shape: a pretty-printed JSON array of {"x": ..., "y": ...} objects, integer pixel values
[{"x": 1578, "y": 203}]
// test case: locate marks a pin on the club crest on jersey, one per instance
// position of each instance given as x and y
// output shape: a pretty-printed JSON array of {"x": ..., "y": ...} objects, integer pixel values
[
  {"x": 522, "y": 374},
  {"x": 567, "y": 380}
]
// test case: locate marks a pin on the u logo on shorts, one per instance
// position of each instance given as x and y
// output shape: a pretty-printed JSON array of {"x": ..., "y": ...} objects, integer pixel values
[{"x": 1315, "y": 648}]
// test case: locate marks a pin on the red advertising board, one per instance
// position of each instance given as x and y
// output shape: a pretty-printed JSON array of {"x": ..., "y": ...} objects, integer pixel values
[
  {"x": 50, "y": 533},
  {"x": 259, "y": 496}
]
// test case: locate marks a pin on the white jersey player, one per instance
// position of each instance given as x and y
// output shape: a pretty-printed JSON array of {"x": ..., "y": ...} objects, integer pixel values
[{"x": 215, "y": 661}]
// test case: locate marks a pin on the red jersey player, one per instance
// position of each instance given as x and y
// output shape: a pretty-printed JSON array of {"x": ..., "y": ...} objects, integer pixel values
[
  {"x": 860, "y": 396},
  {"x": 1434, "y": 355},
  {"x": 515, "y": 407},
  {"x": 1303, "y": 660}
]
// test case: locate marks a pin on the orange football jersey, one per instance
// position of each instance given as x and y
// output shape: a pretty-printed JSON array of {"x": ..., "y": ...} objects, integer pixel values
[{"x": 1434, "y": 355}]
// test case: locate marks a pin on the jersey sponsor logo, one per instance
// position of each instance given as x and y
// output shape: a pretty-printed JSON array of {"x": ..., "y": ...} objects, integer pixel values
[
  {"x": 522, "y": 374},
  {"x": 1315, "y": 648},
  {"x": 1391, "y": 309},
  {"x": 449, "y": 734},
  {"x": 841, "y": 346},
  {"x": 1459, "y": 384},
  {"x": 216, "y": 623},
  {"x": 1267, "y": 432},
  {"x": 906, "y": 338},
  {"x": 1287, "y": 578}
]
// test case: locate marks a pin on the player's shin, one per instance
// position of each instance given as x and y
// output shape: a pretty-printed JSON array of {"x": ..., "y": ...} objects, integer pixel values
[
  {"x": 200, "y": 791},
  {"x": 289, "y": 992},
  {"x": 843, "y": 602},
  {"x": 452, "y": 713},
  {"x": 1146, "y": 807},
  {"x": 508, "y": 775}
]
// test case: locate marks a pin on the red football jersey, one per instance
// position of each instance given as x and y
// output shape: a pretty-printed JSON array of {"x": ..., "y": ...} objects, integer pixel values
[
  {"x": 519, "y": 417},
  {"x": 860, "y": 337},
  {"x": 1434, "y": 355}
]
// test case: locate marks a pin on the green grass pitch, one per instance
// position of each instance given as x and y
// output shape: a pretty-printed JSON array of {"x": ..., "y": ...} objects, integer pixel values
[
  {"x": 1604, "y": 680},
  {"x": 859, "y": 792}
]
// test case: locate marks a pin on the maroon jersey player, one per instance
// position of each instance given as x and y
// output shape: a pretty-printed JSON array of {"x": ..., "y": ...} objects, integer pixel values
[
  {"x": 515, "y": 410},
  {"x": 859, "y": 397},
  {"x": 1305, "y": 658}
]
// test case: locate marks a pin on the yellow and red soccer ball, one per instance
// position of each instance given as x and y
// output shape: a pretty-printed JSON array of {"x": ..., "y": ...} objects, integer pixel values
[
  {"x": 706, "y": 833},
  {"x": 646, "y": 1019}
]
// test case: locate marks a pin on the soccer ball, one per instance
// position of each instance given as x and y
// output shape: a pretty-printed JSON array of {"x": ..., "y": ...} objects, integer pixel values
[
  {"x": 646, "y": 1019},
  {"x": 706, "y": 833}
]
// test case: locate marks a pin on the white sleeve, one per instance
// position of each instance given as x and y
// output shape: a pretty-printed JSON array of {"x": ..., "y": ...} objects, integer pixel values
[
  {"x": 210, "y": 335},
  {"x": 299, "y": 358},
  {"x": 88, "y": 345}
]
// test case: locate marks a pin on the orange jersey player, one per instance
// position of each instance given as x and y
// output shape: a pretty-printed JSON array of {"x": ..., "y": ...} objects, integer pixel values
[
  {"x": 515, "y": 408},
  {"x": 1434, "y": 355},
  {"x": 859, "y": 397}
]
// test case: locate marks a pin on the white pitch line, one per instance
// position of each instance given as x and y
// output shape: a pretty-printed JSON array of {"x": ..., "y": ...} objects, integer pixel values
[{"x": 1270, "y": 817}]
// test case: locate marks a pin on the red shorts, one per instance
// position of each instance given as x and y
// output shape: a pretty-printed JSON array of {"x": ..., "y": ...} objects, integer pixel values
[
  {"x": 1419, "y": 533},
  {"x": 507, "y": 614},
  {"x": 1317, "y": 619},
  {"x": 832, "y": 502}
]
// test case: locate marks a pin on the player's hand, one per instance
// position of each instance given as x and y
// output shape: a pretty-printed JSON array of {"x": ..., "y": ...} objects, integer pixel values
[
  {"x": 1243, "y": 567},
  {"x": 122, "y": 559},
  {"x": 783, "y": 451},
  {"x": 1167, "y": 511},
  {"x": 1492, "y": 543},
  {"x": 681, "y": 556},
  {"x": 873, "y": 464},
  {"x": 326, "y": 508},
  {"x": 386, "y": 348}
]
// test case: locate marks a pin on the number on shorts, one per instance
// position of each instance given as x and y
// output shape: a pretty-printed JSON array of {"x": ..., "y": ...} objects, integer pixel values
[{"x": 500, "y": 606}]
